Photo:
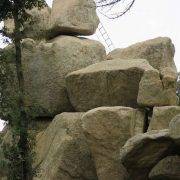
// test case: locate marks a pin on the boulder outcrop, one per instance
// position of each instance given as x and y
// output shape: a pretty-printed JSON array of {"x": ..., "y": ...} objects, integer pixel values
[
  {"x": 77, "y": 17},
  {"x": 143, "y": 151},
  {"x": 62, "y": 151},
  {"x": 106, "y": 130},
  {"x": 108, "y": 83},
  {"x": 167, "y": 168},
  {"x": 162, "y": 116},
  {"x": 66, "y": 73},
  {"x": 45, "y": 66}
]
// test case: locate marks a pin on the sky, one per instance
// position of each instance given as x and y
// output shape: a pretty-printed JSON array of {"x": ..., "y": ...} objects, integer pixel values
[{"x": 146, "y": 20}]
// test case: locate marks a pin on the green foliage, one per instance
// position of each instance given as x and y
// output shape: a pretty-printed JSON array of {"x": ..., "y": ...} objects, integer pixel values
[
  {"x": 8, "y": 9},
  {"x": 17, "y": 153}
]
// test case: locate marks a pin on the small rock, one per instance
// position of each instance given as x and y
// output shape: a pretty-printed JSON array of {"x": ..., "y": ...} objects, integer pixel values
[
  {"x": 162, "y": 116},
  {"x": 153, "y": 92}
]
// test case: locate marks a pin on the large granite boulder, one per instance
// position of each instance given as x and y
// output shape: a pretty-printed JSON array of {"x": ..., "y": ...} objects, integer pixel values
[
  {"x": 153, "y": 92},
  {"x": 162, "y": 116},
  {"x": 76, "y": 17},
  {"x": 143, "y": 151},
  {"x": 108, "y": 83},
  {"x": 159, "y": 52},
  {"x": 36, "y": 27},
  {"x": 45, "y": 66},
  {"x": 62, "y": 151},
  {"x": 166, "y": 169},
  {"x": 174, "y": 129},
  {"x": 106, "y": 130}
]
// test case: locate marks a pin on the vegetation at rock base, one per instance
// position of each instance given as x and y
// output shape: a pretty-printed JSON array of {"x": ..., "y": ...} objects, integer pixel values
[{"x": 18, "y": 152}]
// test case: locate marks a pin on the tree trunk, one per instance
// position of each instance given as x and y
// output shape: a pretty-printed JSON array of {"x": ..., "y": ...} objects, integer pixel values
[{"x": 23, "y": 143}]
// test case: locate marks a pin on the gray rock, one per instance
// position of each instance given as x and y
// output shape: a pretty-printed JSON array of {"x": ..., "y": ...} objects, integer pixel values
[
  {"x": 162, "y": 117},
  {"x": 166, "y": 169},
  {"x": 62, "y": 151},
  {"x": 108, "y": 83},
  {"x": 159, "y": 52},
  {"x": 77, "y": 17},
  {"x": 143, "y": 151},
  {"x": 106, "y": 130},
  {"x": 153, "y": 92}
]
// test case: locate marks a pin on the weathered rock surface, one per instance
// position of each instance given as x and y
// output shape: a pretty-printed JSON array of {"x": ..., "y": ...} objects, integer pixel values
[
  {"x": 167, "y": 169},
  {"x": 174, "y": 129},
  {"x": 159, "y": 52},
  {"x": 73, "y": 17},
  {"x": 47, "y": 63},
  {"x": 162, "y": 117},
  {"x": 152, "y": 91},
  {"x": 36, "y": 28},
  {"x": 62, "y": 151},
  {"x": 108, "y": 83},
  {"x": 106, "y": 130},
  {"x": 143, "y": 151}
]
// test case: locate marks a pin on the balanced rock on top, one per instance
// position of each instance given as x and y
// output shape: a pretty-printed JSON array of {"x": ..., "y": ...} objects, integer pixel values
[{"x": 75, "y": 17}]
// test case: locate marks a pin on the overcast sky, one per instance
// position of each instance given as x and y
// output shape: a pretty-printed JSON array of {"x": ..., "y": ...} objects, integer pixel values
[{"x": 147, "y": 19}]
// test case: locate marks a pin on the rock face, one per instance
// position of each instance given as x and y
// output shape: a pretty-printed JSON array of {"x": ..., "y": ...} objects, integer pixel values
[
  {"x": 40, "y": 21},
  {"x": 159, "y": 52},
  {"x": 106, "y": 130},
  {"x": 162, "y": 117},
  {"x": 174, "y": 128},
  {"x": 108, "y": 83},
  {"x": 62, "y": 151},
  {"x": 73, "y": 17},
  {"x": 143, "y": 151},
  {"x": 167, "y": 168},
  {"x": 152, "y": 91},
  {"x": 47, "y": 63}
]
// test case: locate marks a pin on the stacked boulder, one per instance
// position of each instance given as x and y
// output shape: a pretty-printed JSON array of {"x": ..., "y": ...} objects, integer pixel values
[
  {"x": 47, "y": 62},
  {"x": 115, "y": 118}
]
